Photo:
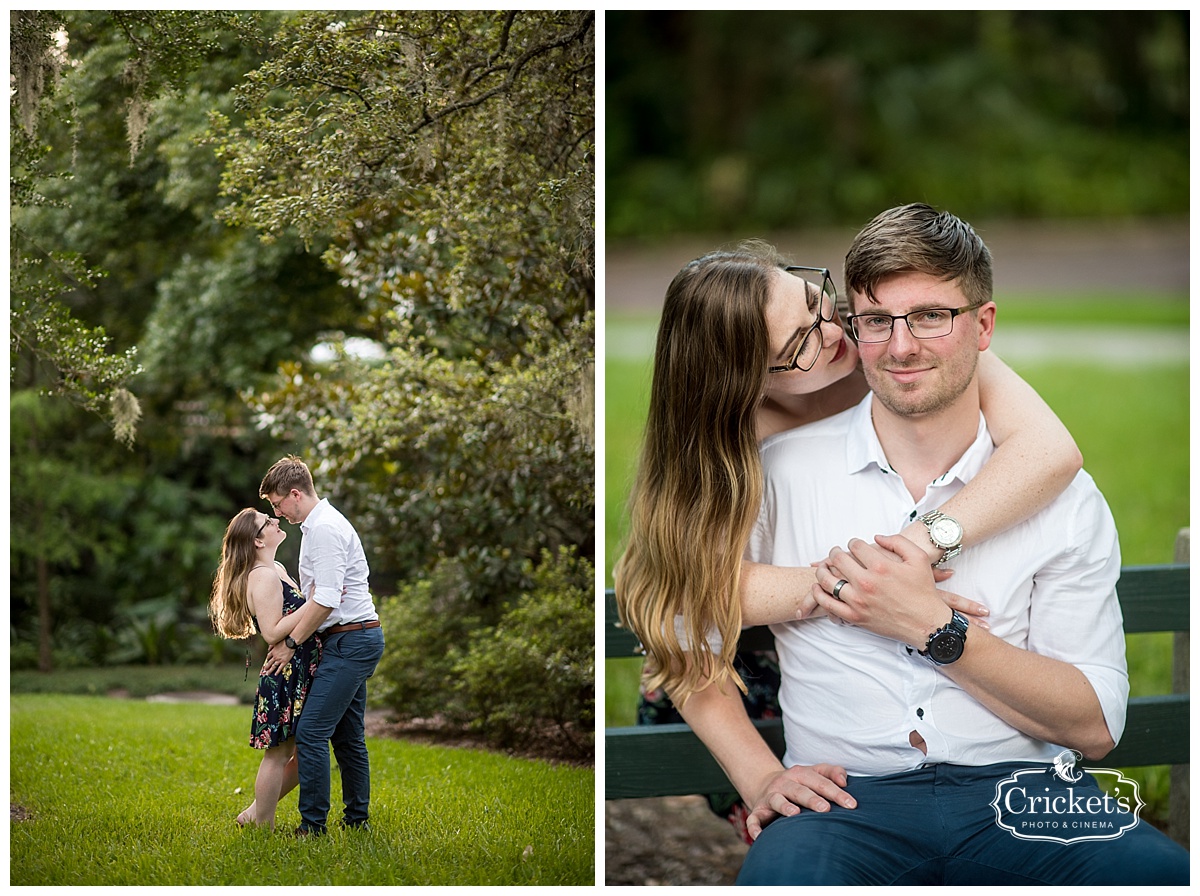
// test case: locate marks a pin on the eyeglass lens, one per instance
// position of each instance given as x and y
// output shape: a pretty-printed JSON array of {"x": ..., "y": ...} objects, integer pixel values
[
  {"x": 926, "y": 324},
  {"x": 822, "y": 307}
]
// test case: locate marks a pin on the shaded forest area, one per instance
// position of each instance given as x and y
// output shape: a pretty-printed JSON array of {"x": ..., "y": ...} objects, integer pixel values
[
  {"x": 365, "y": 238},
  {"x": 786, "y": 120}
]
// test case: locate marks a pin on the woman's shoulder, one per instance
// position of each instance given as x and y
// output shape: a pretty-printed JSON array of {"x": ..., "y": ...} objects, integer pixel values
[{"x": 263, "y": 579}]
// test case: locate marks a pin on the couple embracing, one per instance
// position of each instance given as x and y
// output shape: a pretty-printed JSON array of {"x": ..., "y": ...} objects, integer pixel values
[{"x": 325, "y": 640}]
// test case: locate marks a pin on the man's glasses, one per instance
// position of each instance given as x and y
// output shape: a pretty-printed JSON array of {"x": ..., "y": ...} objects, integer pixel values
[
  {"x": 929, "y": 323},
  {"x": 822, "y": 306}
]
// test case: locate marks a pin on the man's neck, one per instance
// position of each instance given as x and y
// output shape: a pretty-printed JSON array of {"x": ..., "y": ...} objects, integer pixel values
[
  {"x": 924, "y": 447},
  {"x": 307, "y": 503}
]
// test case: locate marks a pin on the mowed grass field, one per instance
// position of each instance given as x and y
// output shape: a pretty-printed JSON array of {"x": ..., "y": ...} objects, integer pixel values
[{"x": 128, "y": 793}]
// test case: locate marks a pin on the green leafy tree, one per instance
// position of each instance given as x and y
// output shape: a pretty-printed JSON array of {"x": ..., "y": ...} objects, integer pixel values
[
  {"x": 443, "y": 163},
  {"x": 114, "y": 247},
  {"x": 778, "y": 119},
  {"x": 157, "y": 54},
  {"x": 60, "y": 512}
]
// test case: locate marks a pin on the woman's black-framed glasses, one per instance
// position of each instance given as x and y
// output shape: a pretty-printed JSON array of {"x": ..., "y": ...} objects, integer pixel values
[
  {"x": 259, "y": 533},
  {"x": 823, "y": 307}
]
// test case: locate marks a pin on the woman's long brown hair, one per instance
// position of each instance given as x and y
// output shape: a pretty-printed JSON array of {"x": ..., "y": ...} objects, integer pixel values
[
  {"x": 699, "y": 482},
  {"x": 229, "y": 607}
]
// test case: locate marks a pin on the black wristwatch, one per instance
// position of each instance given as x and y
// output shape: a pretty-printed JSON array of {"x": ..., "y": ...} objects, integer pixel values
[
  {"x": 946, "y": 644},
  {"x": 290, "y": 641}
]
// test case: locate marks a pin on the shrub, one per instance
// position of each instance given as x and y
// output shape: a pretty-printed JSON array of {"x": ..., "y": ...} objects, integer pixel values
[
  {"x": 426, "y": 626},
  {"x": 537, "y": 665}
]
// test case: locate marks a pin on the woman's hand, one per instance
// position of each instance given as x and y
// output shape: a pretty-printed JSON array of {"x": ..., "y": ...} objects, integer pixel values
[{"x": 800, "y": 787}]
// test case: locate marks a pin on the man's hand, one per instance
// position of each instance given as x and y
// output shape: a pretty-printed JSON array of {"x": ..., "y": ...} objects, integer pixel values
[
  {"x": 889, "y": 589},
  {"x": 973, "y": 609},
  {"x": 277, "y": 657},
  {"x": 811, "y": 787}
]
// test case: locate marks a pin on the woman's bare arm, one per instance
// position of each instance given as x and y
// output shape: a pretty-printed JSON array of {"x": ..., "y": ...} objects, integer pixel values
[{"x": 266, "y": 597}]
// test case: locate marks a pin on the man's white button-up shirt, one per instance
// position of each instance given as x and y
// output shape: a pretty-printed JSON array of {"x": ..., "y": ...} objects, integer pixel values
[
  {"x": 332, "y": 559},
  {"x": 852, "y": 698}
]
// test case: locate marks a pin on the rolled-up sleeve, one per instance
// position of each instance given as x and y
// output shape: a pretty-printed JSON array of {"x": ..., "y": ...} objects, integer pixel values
[
  {"x": 328, "y": 553},
  {"x": 1075, "y": 615}
]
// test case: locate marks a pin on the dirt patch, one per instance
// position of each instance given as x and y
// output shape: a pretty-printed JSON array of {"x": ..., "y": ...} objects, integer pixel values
[
  {"x": 671, "y": 841},
  {"x": 549, "y": 745},
  {"x": 18, "y": 813}
]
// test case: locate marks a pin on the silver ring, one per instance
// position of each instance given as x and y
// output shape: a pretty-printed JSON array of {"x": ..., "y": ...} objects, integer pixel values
[{"x": 837, "y": 589}]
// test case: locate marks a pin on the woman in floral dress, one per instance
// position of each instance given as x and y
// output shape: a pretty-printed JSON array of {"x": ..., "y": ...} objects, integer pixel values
[{"x": 252, "y": 593}]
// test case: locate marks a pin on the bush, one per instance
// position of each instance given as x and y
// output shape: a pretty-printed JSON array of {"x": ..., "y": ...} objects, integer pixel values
[
  {"x": 426, "y": 627},
  {"x": 537, "y": 665},
  {"x": 534, "y": 669}
]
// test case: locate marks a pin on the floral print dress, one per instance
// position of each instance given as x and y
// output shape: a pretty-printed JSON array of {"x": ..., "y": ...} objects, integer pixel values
[{"x": 280, "y": 697}]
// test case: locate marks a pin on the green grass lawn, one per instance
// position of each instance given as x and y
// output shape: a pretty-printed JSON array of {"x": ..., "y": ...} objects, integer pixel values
[
  {"x": 1132, "y": 425},
  {"x": 129, "y": 793}
]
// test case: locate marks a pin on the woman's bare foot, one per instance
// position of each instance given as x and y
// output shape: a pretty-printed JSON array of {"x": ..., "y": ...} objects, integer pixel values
[{"x": 246, "y": 816}]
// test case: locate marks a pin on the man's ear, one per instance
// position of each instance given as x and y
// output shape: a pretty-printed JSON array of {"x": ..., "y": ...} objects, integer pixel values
[{"x": 986, "y": 317}]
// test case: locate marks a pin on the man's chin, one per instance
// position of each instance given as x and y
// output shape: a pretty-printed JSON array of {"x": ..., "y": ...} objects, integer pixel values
[{"x": 904, "y": 402}]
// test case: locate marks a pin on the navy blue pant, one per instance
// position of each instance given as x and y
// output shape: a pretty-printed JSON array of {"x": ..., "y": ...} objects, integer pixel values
[
  {"x": 335, "y": 712},
  {"x": 937, "y": 825}
]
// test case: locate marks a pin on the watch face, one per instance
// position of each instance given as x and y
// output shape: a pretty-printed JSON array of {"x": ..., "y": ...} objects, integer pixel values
[
  {"x": 946, "y": 647},
  {"x": 945, "y": 532}
]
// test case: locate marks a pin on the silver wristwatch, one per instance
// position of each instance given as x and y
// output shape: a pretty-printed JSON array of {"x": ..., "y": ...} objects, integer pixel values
[{"x": 945, "y": 532}]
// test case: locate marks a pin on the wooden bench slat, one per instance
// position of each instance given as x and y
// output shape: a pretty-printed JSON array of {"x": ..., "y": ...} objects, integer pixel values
[
  {"x": 681, "y": 763},
  {"x": 1155, "y": 598},
  {"x": 1156, "y": 733}
]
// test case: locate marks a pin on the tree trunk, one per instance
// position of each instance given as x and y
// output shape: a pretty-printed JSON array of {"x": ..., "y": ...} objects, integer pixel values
[{"x": 45, "y": 655}]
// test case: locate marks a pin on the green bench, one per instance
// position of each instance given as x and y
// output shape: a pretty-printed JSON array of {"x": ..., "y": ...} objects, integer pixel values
[{"x": 669, "y": 760}]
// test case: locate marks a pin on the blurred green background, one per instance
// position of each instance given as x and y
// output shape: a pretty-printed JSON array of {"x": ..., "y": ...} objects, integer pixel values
[
  {"x": 767, "y": 120},
  {"x": 1068, "y": 130}
]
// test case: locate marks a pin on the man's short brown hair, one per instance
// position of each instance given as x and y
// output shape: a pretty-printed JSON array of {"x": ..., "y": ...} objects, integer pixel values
[
  {"x": 286, "y": 474},
  {"x": 919, "y": 238}
]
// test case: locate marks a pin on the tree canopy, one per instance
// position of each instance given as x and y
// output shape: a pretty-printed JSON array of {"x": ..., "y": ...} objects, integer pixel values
[{"x": 366, "y": 238}]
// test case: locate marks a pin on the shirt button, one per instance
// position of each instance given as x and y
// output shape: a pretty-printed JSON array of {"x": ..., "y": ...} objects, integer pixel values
[{"x": 920, "y": 713}]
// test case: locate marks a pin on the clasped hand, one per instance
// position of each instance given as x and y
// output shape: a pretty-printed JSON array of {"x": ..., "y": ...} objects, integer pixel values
[{"x": 890, "y": 590}]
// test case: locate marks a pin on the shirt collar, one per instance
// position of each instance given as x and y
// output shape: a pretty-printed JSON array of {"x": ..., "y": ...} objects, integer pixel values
[
  {"x": 864, "y": 451},
  {"x": 314, "y": 514}
]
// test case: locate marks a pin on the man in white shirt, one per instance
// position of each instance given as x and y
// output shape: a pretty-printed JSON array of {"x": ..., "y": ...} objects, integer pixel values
[
  {"x": 926, "y": 713},
  {"x": 339, "y": 609}
]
